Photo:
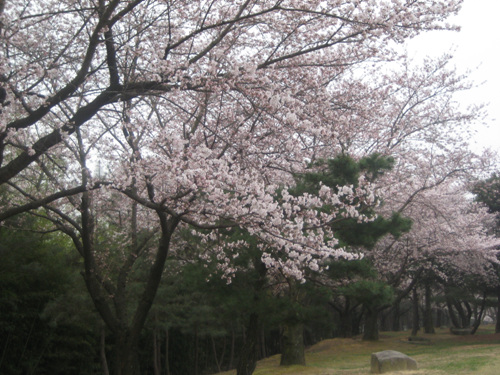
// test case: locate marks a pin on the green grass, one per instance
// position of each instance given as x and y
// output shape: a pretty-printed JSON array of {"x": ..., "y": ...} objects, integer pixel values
[{"x": 443, "y": 354}]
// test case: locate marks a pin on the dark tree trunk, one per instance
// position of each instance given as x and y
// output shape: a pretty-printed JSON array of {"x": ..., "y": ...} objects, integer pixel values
[
  {"x": 428, "y": 321},
  {"x": 233, "y": 342},
  {"x": 464, "y": 317},
  {"x": 167, "y": 357},
  {"x": 415, "y": 315},
  {"x": 102, "y": 352},
  {"x": 467, "y": 314},
  {"x": 479, "y": 316},
  {"x": 347, "y": 317},
  {"x": 497, "y": 325},
  {"x": 345, "y": 325},
  {"x": 396, "y": 317},
  {"x": 125, "y": 359},
  {"x": 357, "y": 316},
  {"x": 451, "y": 313},
  {"x": 439, "y": 317},
  {"x": 371, "y": 325},
  {"x": 249, "y": 353},
  {"x": 156, "y": 347},
  {"x": 293, "y": 345}
]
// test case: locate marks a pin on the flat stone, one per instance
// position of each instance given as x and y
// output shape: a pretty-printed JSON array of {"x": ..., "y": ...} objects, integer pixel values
[{"x": 391, "y": 360}]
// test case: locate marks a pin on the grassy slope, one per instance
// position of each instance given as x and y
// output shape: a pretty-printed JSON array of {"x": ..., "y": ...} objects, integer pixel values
[{"x": 445, "y": 354}]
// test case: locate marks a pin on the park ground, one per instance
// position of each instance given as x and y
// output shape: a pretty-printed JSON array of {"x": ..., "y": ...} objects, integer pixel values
[{"x": 443, "y": 353}]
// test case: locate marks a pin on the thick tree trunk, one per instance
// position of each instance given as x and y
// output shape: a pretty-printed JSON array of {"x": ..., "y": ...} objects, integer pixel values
[
  {"x": 125, "y": 359},
  {"x": 292, "y": 352},
  {"x": 371, "y": 325},
  {"x": 428, "y": 321}
]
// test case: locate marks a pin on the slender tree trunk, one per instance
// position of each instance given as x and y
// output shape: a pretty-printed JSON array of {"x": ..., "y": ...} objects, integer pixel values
[
  {"x": 292, "y": 352},
  {"x": 396, "y": 320},
  {"x": 356, "y": 322},
  {"x": 167, "y": 357},
  {"x": 415, "y": 315},
  {"x": 371, "y": 325},
  {"x": 233, "y": 342},
  {"x": 497, "y": 325},
  {"x": 102, "y": 352},
  {"x": 462, "y": 314},
  {"x": 214, "y": 349},
  {"x": 263, "y": 351},
  {"x": 439, "y": 317},
  {"x": 479, "y": 317},
  {"x": 428, "y": 321},
  {"x": 156, "y": 354},
  {"x": 451, "y": 313},
  {"x": 196, "y": 350}
]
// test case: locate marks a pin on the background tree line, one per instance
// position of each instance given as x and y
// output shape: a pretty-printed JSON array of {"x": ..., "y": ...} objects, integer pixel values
[{"x": 200, "y": 324}]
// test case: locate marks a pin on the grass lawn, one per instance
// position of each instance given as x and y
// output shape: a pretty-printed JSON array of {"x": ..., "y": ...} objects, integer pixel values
[{"x": 443, "y": 354}]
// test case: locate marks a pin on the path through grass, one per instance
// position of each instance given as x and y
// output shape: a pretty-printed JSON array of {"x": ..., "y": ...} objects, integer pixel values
[{"x": 443, "y": 354}]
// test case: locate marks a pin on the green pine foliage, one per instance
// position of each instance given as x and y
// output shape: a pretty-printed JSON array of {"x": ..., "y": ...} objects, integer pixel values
[{"x": 36, "y": 272}]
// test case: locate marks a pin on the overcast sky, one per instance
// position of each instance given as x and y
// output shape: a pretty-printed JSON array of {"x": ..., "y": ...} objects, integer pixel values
[{"x": 476, "y": 48}]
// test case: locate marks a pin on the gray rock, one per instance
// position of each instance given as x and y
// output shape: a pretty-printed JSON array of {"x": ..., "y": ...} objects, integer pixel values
[{"x": 390, "y": 360}]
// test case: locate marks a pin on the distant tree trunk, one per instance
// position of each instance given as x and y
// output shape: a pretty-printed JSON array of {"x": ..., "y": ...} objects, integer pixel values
[
  {"x": 156, "y": 354},
  {"x": 451, "y": 313},
  {"x": 479, "y": 317},
  {"x": 384, "y": 320},
  {"x": 464, "y": 317},
  {"x": 167, "y": 357},
  {"x": 356, "y": 322},
  {"x": 467, "y": 316},
  {"x": 345, "y": 326},
  {"x": 156, "y": 347},
  {"x": 196, "y": 350},
  {"x": 428, "y": 321},
  {"x": 263, "y": 351},
  {"x": 249, "y": 353},
  {"x": 415, "y": 315},
  {"x": 102, "y": 352},
  {"x": 347, "y": 317},
  {"x": 497, "y": 325},
  {"x": 293, "y": 345},
  {"x": 439, "y": 317},
  {"x": 214, "y": 349},
  {"x": 371, "y": 325},
  {"x": 233, "y": 342},
  {"x": 396, "y": 319}
]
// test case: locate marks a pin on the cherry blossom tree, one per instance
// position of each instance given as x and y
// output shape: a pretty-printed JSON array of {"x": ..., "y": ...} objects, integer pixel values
[{"x": 196, "y": 113}]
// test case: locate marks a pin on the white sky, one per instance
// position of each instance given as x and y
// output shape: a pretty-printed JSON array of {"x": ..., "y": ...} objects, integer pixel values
[{"x": 476, "y": 48}]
